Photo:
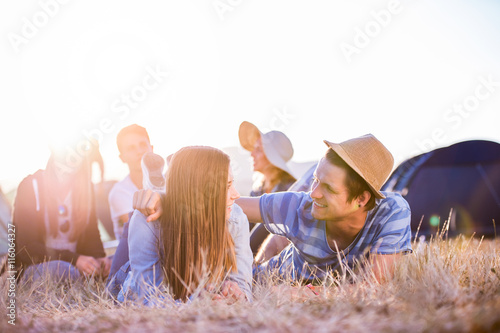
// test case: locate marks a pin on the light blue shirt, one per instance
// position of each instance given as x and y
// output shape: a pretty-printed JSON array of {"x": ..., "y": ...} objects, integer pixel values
[
  {"x": 146, "y": 274},
  {"x": 386, "y": 231}
]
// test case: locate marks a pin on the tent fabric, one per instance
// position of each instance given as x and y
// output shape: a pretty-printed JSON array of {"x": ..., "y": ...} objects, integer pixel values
[{"x": 459, "y": 183}]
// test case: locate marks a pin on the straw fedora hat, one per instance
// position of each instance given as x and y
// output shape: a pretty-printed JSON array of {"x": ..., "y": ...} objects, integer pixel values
[
  {"x": 276, "y": 145},
  {"x": 368, "y": 157}
]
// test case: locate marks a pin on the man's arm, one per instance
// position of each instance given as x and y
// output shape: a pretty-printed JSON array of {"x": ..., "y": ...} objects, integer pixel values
[
  {"x": 149, "y": 203},
  {"x": 383, "y": 265},
  {"x": 251, "y": 208},
  {"x": 394, "y": 237}
]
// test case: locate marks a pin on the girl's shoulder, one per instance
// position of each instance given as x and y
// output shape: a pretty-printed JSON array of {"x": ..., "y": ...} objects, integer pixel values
[{"x": 236, "y": 214}]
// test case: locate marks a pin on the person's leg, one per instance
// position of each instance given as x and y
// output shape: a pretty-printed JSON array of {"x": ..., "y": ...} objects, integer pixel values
[
  {"x": 116, "y": 281},
  {"x": 57, "y": 269},
  {"x": 121, "y": 255}
]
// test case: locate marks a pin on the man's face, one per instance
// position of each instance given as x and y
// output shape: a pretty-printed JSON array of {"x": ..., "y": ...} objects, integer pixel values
[
  {"x": 330, "y": 194},
  {"x": 133, "y": 147}
]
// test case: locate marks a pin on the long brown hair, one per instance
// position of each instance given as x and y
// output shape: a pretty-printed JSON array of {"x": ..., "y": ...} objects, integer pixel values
[
  {"x": 277, "y": 176},
  {"x": 196, "y": 241}
]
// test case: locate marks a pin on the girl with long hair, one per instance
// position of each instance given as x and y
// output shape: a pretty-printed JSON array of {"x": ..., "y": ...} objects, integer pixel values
[{"x": 201, "y": 240}]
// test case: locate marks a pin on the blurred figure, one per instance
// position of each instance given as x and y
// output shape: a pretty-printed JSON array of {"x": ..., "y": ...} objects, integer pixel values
[
  {"x": 55, "y": 219},
  {"x": 133, "y": 142},
  {"x": 270, "y": 152}
]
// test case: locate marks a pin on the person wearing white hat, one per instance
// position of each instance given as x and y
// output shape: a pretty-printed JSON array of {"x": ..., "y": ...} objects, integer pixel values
[
  {"x": 271, "y": 152},
  {"x": 343, "y": 219}
]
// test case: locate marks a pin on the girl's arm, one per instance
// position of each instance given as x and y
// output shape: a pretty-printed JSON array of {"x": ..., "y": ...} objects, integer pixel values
[{"x": 239, "y": 229}]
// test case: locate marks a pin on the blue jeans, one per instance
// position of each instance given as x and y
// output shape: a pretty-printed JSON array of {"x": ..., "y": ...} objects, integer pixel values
[
  {"x": 57, "y": 269},
  {"x": 120, "y": 257}
]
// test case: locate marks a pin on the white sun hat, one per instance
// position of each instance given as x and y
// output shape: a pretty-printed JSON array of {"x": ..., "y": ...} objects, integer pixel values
[{"x": 276, "y": 145}]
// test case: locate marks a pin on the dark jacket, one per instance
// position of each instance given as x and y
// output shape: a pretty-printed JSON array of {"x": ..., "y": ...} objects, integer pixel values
[{"x": 29, "y": 220}]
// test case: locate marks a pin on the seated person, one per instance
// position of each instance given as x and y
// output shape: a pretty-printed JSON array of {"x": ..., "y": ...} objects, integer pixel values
[
  {"x": 201, "y": 235},
  {"x": 270, "y": 152},
  {"x": 133, "y": 143},
  {"x": 55, "y": 220}
]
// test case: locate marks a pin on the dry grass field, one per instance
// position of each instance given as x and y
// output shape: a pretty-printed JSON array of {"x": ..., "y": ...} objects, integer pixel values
[{"x": 444, "y": 286}]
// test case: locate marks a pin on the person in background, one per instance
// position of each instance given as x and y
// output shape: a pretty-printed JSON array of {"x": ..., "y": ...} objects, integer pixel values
[
  {"x": 133, "y": 142},
  {"x": 55, "y": 219},
  {"x": 270, "y": 152}
]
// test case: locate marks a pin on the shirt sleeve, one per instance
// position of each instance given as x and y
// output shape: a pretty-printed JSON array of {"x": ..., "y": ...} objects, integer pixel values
[
  {"x": 146, "y": 273},
  {"x": 239, "y": 229},
  {"x": 281, "y": 212},
  {"x": 120, "y": 203},
  {"x": 394, "y": 235}
]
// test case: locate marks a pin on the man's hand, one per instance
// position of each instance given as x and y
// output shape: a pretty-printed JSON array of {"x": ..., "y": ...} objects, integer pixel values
[
  {"x": 148, "y": 203},
  {"x": 383, "y": 266},
  {"x": 88, "y": 265}
]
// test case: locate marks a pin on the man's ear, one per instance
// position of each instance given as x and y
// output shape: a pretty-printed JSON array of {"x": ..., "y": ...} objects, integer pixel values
[{"x": 363, "y": 199}]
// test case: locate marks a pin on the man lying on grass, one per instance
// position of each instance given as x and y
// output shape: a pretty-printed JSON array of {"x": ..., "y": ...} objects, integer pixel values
[{"x": 344, "y": 218}]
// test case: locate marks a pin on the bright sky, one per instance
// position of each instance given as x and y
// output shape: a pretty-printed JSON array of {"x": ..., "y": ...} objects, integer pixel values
[{"x": 416, "y": 74}]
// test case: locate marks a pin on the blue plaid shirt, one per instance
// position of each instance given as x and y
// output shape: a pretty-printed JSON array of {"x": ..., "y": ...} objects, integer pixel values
[{"x": 386, "y": 231}]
